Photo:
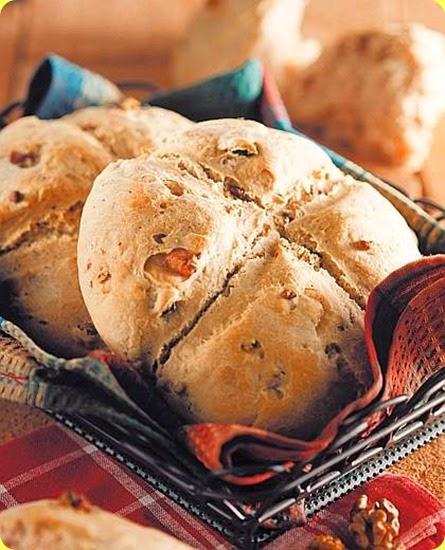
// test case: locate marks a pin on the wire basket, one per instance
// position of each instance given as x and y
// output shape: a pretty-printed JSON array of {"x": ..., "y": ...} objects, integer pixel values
[{"x": 251, "y": 517}]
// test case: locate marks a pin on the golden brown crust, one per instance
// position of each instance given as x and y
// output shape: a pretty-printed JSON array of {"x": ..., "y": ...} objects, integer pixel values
[
  {"x": 250, "y": 161},
  {"x": 129, "y": 132},
  {"x": 360, "y": 237},
  {"x": 46, "y": 171},
  {"x": 44, "y": 166},
  {"x": 289, "y": 344},
  {"x": 40, "y": 292}
]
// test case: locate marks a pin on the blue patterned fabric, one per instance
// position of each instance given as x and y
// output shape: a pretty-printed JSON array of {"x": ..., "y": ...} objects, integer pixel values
[{"x": 59, "y": 87}]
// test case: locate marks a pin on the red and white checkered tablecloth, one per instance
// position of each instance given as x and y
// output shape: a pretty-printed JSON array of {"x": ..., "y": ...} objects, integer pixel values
[{"x": 47, "y": 462}]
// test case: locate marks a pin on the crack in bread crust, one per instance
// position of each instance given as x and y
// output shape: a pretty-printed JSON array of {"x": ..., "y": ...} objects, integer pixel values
[
  {"x": 330, "y": 265},
  {"x": 182, "y": 335}
]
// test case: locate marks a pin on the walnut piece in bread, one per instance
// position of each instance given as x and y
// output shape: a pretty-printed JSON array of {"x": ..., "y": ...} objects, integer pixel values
[
  {"x": 72, "y": 523},
  {"x": 374, "y": 94}
]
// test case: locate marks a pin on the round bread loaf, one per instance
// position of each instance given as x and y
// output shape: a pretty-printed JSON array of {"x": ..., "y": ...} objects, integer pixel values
[
  {"x": 131, "y": 130},
  {"x": 72, "y": 523},
  {"x": 46, "y": 170},
  {"x": 246, "y": 326}
]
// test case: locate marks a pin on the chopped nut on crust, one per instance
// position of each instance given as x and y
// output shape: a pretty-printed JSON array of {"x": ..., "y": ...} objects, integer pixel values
[
  {"x": 129, "y": 103},
  {"x": 78, "y": 502},
  {"x": 231, "y": 186},
  {"x": 181, "y": 261},
  {"x": 288, "y": 294},
  {"x": 16, "y": 196},
  {"x": 361, "y": 245},
  {"x": 24, "y": 160}
]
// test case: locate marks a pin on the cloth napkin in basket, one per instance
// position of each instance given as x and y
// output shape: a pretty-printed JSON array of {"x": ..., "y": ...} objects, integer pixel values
[{"x": 54, "y": 460}]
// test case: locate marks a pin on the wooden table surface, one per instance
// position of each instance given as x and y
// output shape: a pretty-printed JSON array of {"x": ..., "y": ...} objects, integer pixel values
[{"x": 133, "y": 39}]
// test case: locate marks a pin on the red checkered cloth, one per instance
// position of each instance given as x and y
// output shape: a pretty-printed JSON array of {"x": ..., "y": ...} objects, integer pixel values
[{"x": 47, "y": 462}]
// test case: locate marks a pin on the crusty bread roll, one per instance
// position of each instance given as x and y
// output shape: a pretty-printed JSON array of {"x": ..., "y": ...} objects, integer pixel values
[
  {"x": 283, "y": 349},
  {"x": 129, "y": 130},
  {"x": 46, "y": 170},
  {"x": 42, "y": 294},
  {"x": 374, "y": 95},
  {"x": 253, "y": 162},
  {"x": 264, "y": 330},
  {"x": 228, "y": 32},
  {"x": 157, "y": 240},
  {"x": 72, "y": 523}
]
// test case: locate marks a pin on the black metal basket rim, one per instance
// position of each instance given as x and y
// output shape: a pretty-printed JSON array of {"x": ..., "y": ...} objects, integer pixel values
[{"x": 224, "y": 521}]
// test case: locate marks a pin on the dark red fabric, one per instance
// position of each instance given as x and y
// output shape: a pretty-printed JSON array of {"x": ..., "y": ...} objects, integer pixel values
[
  {"x": 405, "y": 325},
  {"x": 48, "y": 462}
]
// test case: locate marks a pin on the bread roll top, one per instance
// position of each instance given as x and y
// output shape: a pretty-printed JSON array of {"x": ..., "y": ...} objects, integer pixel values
[
  {"x": 46, "y": 168},
  {"x": 358, "y": 234},
  {"x": 131, "y": 130},
  {"x": 253, "y": 162}
]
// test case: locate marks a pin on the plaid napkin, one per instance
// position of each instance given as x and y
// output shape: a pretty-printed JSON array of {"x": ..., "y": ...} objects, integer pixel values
[{"x": 55, "y": 460}]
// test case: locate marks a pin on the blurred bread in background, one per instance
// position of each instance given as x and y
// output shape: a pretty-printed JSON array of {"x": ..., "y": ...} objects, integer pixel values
[
  {"x": 375, "y": 95},
  {"x": 228, "y": 32}
]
